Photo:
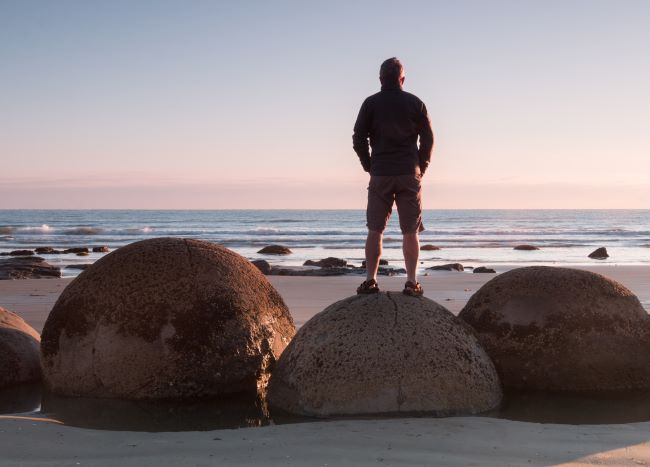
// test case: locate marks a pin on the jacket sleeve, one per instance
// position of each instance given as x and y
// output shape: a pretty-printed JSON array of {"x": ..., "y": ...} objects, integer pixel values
[
  {"x": 360, "y": 136},
  {"x": 426, "y": 139}
]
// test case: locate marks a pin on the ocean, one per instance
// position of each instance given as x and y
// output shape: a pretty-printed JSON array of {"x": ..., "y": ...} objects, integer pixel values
[{"x": 471, "y": 237}]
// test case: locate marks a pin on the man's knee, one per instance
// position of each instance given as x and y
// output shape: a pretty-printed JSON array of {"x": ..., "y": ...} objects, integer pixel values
[{"x": 375, "y": 236}]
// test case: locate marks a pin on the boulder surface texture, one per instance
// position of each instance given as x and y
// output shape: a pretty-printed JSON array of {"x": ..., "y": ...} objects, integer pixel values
[
  {"x": 19, "y": 351},
  {"x": 384, "y": 353},
  {"x": 561, "y": 329},
  {"x": 165, "y": 318}
]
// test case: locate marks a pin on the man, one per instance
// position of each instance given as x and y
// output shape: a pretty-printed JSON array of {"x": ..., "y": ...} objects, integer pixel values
[{"x": 393, "y": 120}]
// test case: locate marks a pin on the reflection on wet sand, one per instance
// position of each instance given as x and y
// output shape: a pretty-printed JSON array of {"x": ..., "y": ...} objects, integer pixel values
[{"x": 232, "y": 412}]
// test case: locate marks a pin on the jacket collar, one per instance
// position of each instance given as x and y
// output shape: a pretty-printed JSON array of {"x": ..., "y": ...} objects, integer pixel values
[{"x": 391, "y": 87}]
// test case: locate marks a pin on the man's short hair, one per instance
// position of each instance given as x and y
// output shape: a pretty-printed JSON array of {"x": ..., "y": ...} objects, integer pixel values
[{"x": 391, "y": 70}]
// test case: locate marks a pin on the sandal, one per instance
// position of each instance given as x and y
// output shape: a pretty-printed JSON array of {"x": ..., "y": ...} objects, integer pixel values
[
  {"x": 413, "y": 289},
  {"x": 368, "y": 287}
]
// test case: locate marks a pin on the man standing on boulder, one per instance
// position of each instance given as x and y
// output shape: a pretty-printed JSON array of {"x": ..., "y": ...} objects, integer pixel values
[{"x": 393, "y": 120}]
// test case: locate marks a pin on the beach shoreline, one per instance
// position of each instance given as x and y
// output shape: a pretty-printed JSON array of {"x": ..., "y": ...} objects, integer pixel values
[{"x": 393, "y": 441}]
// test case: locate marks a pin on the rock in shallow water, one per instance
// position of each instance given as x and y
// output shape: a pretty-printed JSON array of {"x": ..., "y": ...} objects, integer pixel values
[
  {"x": 165, "y": 318},
  {"x": 483, "y": 269},
  {"x": 599, "y": 253},
  {"x": 561, "y": 329},
  {"x": 19, "y": 351},
  {"x": 384, "y": 353},
  {"x": 329, "y": 262},
  {"x": 21, "y": 253},
  {"x": 275, "y": 250},
  {"x": 47, "y": 250},
  {"x": 76, "y": 250},
  {"x": 448, "y": 267},
  {"x": 27, "y": 267}
]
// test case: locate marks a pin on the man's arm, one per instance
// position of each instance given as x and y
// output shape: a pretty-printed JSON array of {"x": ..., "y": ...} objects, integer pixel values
[
  {"x": 360, "y": 136},
  {"x": 426, "y": 140}
]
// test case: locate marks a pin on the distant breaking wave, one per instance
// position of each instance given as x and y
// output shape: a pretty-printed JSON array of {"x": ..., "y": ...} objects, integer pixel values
[{"x": 41, "y": 228}]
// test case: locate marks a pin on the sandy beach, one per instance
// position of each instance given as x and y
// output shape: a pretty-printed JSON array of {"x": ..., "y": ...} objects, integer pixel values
[
  {"x": 305, "y": 296},
  {"x": 404, "y": 441}
]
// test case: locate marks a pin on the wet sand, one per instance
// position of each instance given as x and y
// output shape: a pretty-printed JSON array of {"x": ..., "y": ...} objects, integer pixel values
[
  {"x": 412, "y": 441},
  {"x": 459, "y": 441}
]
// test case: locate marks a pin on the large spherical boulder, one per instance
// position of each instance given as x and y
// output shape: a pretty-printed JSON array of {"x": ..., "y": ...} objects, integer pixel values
[
  {"x": 561, "y": 329},
  {"x": 165, "y": 318},
  {"x": 19, "y": 351},
  {"x": 384, "y": 353}
]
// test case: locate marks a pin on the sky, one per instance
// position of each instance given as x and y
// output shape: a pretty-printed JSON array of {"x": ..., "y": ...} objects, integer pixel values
[{"x": 217, "y": 105}]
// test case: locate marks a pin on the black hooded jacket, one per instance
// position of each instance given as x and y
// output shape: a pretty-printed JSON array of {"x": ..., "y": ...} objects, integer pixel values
[{"x": 393, "y": 120}]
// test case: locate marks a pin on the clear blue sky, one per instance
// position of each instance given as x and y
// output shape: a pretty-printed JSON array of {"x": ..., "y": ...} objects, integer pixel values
[{"x": 206, "y": 104}]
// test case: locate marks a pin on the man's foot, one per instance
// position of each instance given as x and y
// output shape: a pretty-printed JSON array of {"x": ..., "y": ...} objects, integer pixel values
[
  {"x": 368, "y": 287},
  {"x": 414, "y": 289}
]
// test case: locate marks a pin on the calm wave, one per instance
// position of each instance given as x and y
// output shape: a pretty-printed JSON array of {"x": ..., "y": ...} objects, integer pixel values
[{"x": 479, "y": 236}]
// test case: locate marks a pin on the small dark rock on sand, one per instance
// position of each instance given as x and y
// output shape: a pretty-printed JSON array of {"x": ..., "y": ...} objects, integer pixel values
[
  {"x": 275, "y": 250},
  {"x": 429, "y": 248},
  {"x": 101, "y": 249},
  {"x": 382, "y": 262},
  {"x": 329, "y": 262},
  {"x": 263, "y": 265},
  {"x": 448, "y": 267},
  {"x": 600, "y": 253},
  {"x": 27, "y": 267},
  {"x": 526, "y": 247},
  {"x": 481, "y": 269},
  {"x": 83, "y": 253}
]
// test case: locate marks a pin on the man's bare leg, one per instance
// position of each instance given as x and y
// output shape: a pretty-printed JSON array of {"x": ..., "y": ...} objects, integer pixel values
[
  {"x": 373, "y": 253},
  {"x": 411, "y": 250}
]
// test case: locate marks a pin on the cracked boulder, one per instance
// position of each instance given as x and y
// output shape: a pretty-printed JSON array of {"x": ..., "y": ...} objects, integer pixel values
[
  {"x": 385, "y": 353},
  {"x": 561, "y": 329},
  {"x": 165, "y": 318},
  {"x": 19, "y": 351}
]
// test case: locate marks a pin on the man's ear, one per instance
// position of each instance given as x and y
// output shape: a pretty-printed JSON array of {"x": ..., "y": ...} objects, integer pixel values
[{"x": 401, "y": 80}]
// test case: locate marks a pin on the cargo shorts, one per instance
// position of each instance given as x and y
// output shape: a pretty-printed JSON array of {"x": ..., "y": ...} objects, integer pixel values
[{"x": 403, "y": 190}]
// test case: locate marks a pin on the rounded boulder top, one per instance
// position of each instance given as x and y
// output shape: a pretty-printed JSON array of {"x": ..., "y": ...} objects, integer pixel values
[
  {"x": 19, "y": 351},
  {"x": 165, "y": 318},
  {"x": 384, "y": 353},
  {"x": 561, "y": 329}
]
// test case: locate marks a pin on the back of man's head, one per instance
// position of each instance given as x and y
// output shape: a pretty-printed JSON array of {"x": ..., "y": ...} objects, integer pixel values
[{"x": 391, "y": 71}]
